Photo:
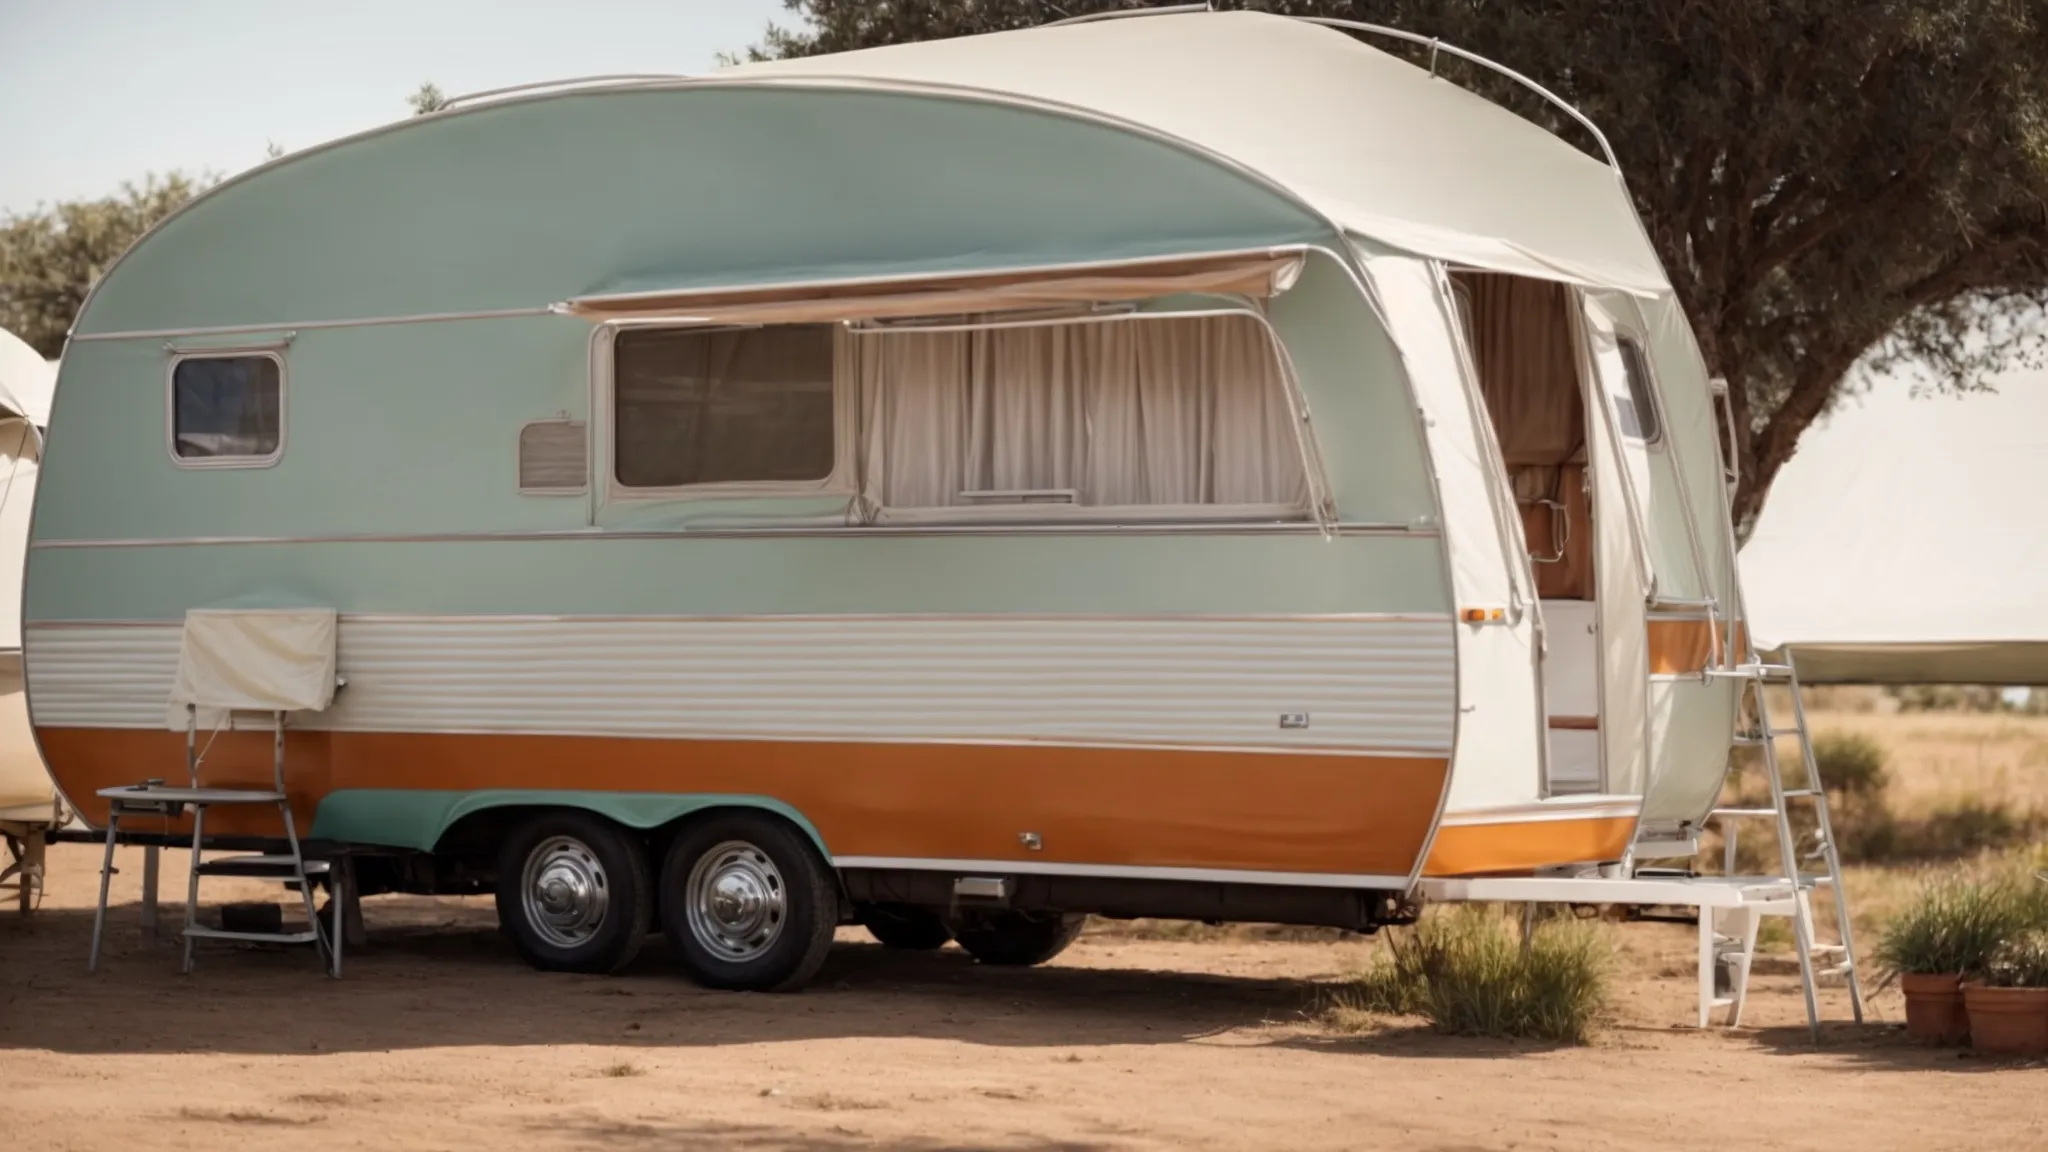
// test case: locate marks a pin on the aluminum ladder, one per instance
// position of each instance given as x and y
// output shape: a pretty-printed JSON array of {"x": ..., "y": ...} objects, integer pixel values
[
  {"x": 1816, "y": 958},
  {"x": 290, "y": 867}
]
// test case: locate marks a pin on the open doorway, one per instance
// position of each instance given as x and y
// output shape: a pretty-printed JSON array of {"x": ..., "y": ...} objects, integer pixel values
[{"x": 1521, "y": 333}]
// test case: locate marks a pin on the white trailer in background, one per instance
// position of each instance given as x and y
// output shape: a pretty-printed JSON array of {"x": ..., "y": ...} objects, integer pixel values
[{"x": 29, "y": 807}]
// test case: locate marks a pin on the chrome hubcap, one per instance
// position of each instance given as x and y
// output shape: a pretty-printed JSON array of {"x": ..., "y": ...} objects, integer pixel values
[
  {"x": 565, "y": 891},
  {"x": 737, "y": 902}
]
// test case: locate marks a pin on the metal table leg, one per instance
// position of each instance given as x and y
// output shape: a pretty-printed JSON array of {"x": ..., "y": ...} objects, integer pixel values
[
  {"x": 150, "y": 868},
  {"x": 99, "y": 916}
]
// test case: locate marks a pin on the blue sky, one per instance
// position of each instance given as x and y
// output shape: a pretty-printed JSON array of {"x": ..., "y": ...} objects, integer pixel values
[{"x": 95, "y": 92}]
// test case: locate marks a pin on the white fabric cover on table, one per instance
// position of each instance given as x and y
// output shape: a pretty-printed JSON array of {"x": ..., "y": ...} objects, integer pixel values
[{"x": 254, "y": 660}]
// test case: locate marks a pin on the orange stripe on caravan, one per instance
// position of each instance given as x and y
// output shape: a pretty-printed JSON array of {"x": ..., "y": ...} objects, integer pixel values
[
  {"x": 1149, "y": 807},
  {"x": 1479, "y": 849},
  {"x": 1680, "y": 647}
]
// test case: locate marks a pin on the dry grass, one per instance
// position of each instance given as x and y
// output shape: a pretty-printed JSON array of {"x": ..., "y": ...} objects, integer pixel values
[
  {"x": 1952, "y": 785},
  {"x": 1469, "y": 973}
]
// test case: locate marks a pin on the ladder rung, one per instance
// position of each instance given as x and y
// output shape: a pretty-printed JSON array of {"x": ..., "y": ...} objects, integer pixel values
[
  {"x": 262, "y": 867},
  {"x": 1795, "y": 793},
  {"x": 1753, "y": 672},
  {"x": 203, "y": 933}
]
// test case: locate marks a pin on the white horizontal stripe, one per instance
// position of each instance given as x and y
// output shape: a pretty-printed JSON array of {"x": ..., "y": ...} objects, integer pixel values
[
  {"x": 1575, "y": 808},
  {"x": 1122, "y": 872},
  {"x": 1367, "y": 686}
]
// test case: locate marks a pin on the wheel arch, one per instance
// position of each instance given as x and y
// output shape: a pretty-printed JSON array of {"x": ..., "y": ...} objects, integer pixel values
[{"x": 437, "y": 821}]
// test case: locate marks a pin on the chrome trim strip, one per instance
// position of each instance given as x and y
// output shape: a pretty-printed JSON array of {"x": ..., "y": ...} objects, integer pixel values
[
  {"x": 559, "y": 87},
  {"x": 845, "y": 530},
  {"x": 822, "y": 617},
  {"x": 296, "y": 326},
  {"x": 1124, "y": 872},
  {"x": 1126, "y": 13}
]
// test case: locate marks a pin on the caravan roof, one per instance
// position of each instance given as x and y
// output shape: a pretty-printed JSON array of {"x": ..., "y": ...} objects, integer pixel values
[{"x": 1294, "y": 102}]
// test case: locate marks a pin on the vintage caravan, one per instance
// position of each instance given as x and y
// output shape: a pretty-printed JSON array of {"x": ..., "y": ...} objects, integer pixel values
[
  {"x": 28, "y": 803},
  {"x": 1197, "y": 466}
]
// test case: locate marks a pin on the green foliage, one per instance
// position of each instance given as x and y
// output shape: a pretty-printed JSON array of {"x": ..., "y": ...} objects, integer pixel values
[
  {"x": 427, "y": 98},
  {"x": 1829, "y": 185},
  {"x": 2021, "y": 962},
  {"x": 1852, "y": 764},
  {"x": 1956, "y": 925},
  {"x": 1466, "y": 972},
  {"x": 51, "y": 257}
]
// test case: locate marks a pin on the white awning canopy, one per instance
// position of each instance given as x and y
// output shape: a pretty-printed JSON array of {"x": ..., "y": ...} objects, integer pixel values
[
  {"x": 1257, "y": 275},
  {"x": 1380, "y": 147},
  {"x": 1905, "y": 542}
]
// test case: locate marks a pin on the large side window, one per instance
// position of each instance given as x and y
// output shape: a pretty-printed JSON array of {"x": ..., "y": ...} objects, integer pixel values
[
  {"x": 735, "y": 406},
  {"x": 1164, "y": 416},
  {"x": 1638, "y": 409},
  {"x": 227, "y": 410}
]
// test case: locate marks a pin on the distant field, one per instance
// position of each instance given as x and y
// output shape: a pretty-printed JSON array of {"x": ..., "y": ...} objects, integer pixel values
[{"x": 1938, "y": 757}]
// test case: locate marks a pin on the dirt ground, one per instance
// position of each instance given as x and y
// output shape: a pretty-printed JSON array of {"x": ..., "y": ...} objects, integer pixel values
[{"x": 438, "y": 1037}]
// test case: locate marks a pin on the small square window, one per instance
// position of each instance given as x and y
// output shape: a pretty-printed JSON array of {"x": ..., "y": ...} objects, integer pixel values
[{"x": 227, "y": 409}]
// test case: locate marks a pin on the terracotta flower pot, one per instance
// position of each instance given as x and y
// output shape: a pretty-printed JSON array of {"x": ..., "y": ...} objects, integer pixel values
[
  {"x": 2007, "y": 1021},
  {"x": 1935, "y": 1013}
]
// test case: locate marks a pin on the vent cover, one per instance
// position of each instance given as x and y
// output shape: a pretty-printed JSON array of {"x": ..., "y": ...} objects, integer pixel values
[{"x": 554, "y": 457}]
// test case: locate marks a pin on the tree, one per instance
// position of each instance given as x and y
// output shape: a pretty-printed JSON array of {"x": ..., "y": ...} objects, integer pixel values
[
  {"x": 1833, "y": 185},
  {"x": 51, "y": 257},
  {"x": 427, "y": 98}
]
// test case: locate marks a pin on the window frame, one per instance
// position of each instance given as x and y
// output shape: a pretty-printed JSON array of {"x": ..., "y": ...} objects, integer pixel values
[
  {"x": 1648, "y": 406},
  {"x": 1317, "y": 512},
  {"x": 840, "y": 481},
  {"x": 270, "y": 353}
]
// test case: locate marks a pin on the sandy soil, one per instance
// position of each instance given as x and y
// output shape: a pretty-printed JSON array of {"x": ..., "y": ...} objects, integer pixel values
[{"x": 438, "y": 1037}]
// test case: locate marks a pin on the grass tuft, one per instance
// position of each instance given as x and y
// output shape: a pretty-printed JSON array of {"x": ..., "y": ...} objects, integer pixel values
[{"x": 1468, "y": 973}]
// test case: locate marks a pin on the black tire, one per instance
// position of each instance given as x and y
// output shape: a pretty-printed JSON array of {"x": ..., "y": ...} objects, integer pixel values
[
  {"x": 584, "y": 853},
  {"x": 1017, "y": 939},
  {"x": 905, "y": 926},
  {"x": 784, "y": 903}
]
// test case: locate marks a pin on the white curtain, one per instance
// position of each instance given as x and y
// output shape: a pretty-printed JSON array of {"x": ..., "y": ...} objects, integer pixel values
[{"x": 1167, "y": 413}]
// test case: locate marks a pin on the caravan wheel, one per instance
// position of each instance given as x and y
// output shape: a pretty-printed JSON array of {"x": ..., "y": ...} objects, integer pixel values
[
  {"x": 1017, "y": 939},
  {"x": 573, "y": 893},
  {"x": 905, "y": 926},
  {"x": 746, "y": 904}
]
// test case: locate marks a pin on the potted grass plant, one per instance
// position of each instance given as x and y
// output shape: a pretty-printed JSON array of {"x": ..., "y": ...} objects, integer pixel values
[
  {"x": 2008, "y": 1008},
  {"x": 1949, "y": 934}
]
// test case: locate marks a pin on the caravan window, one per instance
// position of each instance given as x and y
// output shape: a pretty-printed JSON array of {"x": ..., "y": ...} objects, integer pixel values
[
  {"x": 1638, "y": 409},
  {"x": 1159, "y": 416},
  {"x": 725, "y": 406},
  {"x": 227, "y": 410}
]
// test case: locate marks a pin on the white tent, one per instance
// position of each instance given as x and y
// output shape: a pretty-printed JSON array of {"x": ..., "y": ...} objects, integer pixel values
[
  {"x": 27, "y": 382},
  {"x": 1906, "y": 542}
]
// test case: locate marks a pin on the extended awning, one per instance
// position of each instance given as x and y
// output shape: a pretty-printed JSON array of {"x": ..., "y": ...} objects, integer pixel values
[{"x": 1260, "y": 275}]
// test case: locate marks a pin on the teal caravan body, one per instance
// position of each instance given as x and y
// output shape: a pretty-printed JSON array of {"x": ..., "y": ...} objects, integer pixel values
[{"x": 1025, "y": 474}]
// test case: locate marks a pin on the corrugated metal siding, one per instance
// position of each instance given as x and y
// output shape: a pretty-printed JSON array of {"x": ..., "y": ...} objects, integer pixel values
[{"x": 1364, "y": 684}]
